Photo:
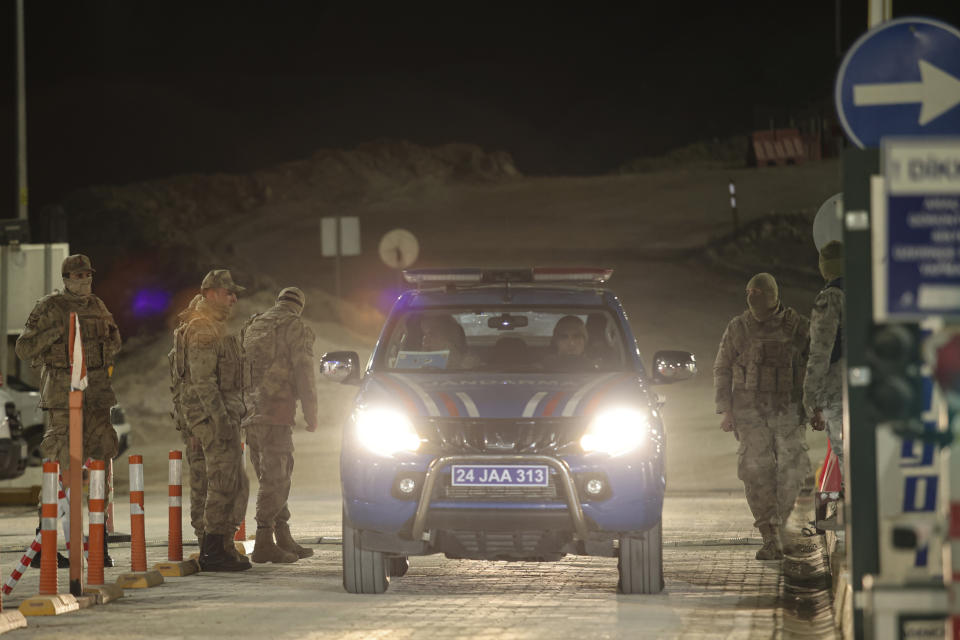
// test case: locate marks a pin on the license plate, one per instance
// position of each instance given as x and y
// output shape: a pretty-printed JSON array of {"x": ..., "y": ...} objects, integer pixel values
[{"x": 499, "y": 475}]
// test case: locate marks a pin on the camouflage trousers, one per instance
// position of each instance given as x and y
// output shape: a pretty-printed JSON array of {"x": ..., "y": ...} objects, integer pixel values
[
  {"x": 99, "y": 437},
  {"x": 219, "y": 489},
  {"x": 271, "y": 452},
  {"x": 772, "y": 462}
]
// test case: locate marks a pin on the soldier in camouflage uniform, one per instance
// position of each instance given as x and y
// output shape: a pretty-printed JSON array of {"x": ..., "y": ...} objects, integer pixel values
[
  {"x": 758, "y": 377},
  {"x": 45, "y": 343},
  {"x": 279, "y": 371},
  {"x": 206, "y": 364},
  {"x": 823, "y": 385}
]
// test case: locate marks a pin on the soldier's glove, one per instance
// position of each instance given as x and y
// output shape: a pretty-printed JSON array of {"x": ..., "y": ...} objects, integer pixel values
[
  {"x": 727, "y": 424},
  {"x": 311, "y": 428},
  {"x": 817, "y": 423}
]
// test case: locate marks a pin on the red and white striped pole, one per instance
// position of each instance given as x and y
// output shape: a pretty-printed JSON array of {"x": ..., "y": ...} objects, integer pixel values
[
  {"x": 138, "y": 544},
  {"x": 48, "y": 529},
  {"x": 97, "y": 500},
  {"x": 21, "y": 569},
  {"x": 175, "y": 532}
]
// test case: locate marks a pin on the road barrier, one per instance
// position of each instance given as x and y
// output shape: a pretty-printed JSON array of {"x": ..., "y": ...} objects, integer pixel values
[
  {"x": 48, "y": 602},
  {"x": 98, "y": 496},
  {"x": 175, "y": 565},
  {"x": 139, "y": 577},
  {"x": 97, "y": 502}
]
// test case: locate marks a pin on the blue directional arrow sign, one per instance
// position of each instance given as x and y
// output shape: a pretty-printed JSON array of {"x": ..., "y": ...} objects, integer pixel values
[{"x": 901, "y": 78}]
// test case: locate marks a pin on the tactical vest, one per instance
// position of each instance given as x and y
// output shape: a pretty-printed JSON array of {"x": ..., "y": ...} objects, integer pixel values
[
  {"x": 837, "y": 352},
  {"x": 767, "y": 366},
  {"x": 94, "y": 331}
]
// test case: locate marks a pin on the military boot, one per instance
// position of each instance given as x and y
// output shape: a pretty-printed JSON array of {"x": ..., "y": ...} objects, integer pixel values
[
  {"x": 265, "y": 550},
  {"x": 107, "y": 560},
  {"x": 286, "y": 542},
  {"x": 213, "y": 557},
  {"x": 771, "y": 549},
  {"x": 230, "y": 547}
]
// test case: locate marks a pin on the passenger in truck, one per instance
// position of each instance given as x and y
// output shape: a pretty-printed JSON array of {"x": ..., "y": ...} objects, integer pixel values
[{"x": 568, "y": 347}]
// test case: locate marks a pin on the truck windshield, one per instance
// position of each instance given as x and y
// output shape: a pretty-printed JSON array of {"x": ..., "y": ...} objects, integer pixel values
[{"x": 505, "y": 340}]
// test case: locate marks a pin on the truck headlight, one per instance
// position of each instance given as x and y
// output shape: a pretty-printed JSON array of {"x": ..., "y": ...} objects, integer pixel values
[
  {"x": 385, "y": 431},
  {"x": 616, "y": 431}
]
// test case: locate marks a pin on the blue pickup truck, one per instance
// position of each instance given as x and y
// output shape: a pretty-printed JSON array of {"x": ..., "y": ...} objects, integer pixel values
[{"x": 504, "y": 414}]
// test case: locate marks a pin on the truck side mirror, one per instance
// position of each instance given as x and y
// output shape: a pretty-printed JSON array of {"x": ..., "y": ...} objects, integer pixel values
[
  {"x": 673, "y": 366},
  {"x": 341, "y": 366}
]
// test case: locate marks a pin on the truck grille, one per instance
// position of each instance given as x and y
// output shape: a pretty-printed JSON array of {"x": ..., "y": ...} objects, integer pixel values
[
  {"x": 498, "y": 543},
  {"x": 491, "y": 435}
]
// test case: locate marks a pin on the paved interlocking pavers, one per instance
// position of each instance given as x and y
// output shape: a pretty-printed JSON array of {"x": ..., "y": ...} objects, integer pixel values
[{"x": 714, "y": 589}]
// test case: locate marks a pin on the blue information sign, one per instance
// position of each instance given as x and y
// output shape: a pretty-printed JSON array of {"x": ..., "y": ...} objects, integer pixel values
[
  {"x": 917, "y": 230},
  {"x": 900, "y": 78}
]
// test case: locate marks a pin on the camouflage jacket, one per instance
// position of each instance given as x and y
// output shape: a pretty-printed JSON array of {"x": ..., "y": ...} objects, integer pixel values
[
  {"x": 45, "y": 342},
  {"x": 279, "y": 367},
  {"x": 823, "y": 384},
  {"x": 760, "y": 365},
  {"x": 208, "y": 362}
]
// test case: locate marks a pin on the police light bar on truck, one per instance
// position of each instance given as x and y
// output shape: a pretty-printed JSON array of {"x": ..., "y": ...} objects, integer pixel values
[{"x": 470, "y": 275}]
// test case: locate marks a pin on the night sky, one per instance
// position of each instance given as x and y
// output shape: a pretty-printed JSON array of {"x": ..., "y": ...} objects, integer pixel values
[{"x": 126, "y": 91}]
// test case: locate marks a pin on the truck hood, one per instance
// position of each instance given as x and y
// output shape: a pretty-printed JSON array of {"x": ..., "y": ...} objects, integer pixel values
[{"x": 465, "y": 395}]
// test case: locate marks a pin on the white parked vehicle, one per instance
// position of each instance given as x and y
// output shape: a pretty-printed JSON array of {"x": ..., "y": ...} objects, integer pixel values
[{"x": 26, "y": 398}]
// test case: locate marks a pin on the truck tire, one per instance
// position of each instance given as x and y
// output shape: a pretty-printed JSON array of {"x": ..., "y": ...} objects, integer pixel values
[
  {"x": 640, "y": 562},
  {"x": 363, "y": 571}
]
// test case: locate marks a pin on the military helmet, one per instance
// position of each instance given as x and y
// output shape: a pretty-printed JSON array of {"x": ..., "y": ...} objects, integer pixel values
[
  {"x": 74, "y": 263},
  {"x": 294, "y": 295},
  {"x": 220, "y": 279}
]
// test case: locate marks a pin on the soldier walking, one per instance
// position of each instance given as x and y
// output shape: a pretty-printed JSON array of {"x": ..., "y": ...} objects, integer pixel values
[
  {"x": 758, "y": 377},
  {"x": 823, "y": 385},
  {"x": 45, "y": 343},
  {"x": 206, "y": 365},
  {"x": 279, "y": 367}
]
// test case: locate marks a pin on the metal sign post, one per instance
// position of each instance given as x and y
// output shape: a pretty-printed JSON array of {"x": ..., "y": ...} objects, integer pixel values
[
  {"x": 901, "y": 79},
  {"x": 339, "y": 236}
]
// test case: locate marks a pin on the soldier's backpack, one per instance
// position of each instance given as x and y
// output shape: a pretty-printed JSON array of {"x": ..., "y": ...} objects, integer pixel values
[{"x": 266, "y": 364}]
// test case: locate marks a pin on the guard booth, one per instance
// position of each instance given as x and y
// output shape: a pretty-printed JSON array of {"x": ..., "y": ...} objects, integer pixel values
[{"x": 898, "y": 97}]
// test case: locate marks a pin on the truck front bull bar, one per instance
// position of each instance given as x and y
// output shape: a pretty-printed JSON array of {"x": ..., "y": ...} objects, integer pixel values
[{"x": 560, "y": 466}]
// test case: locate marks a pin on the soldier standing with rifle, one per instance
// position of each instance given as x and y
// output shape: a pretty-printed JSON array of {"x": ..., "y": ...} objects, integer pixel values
[{"x": 45, "y": 343}]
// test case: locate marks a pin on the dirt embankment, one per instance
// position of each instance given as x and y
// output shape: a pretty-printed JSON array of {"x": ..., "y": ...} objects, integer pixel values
[{"x": 163, "y": 233}]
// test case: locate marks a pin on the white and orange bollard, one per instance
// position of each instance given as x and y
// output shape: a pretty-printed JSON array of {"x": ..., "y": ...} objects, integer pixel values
[
  {"x": 98, "y": 497},
  {"x": 48, "y": 602},
  {"x": 176, "y": 566},
  {"x": 139, "y": 577}
]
